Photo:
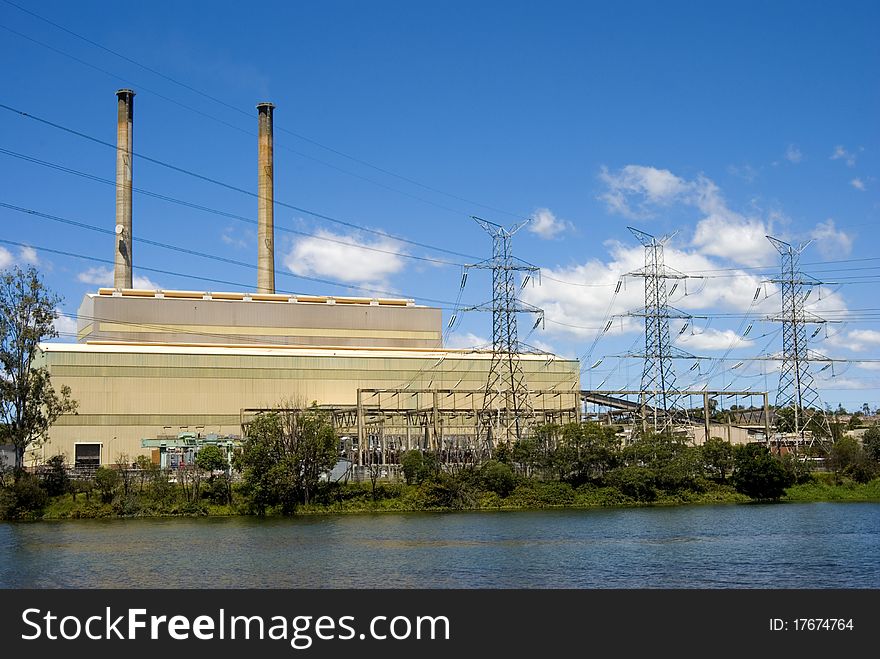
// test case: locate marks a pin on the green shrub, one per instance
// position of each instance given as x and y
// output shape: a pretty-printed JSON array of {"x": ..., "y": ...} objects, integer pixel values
[
  {"x": 758, "y": 474},
  {"x": 497, "y": 477},
  {"x": 106, "y": 482},
  {"x": 23, "y": 498},
  {"x": 54, "y": 477},
  {"x": 635, "y": 482}
]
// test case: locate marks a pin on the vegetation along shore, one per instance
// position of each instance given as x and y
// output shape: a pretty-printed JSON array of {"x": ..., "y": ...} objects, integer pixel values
[{"x": 282, "y": 470}]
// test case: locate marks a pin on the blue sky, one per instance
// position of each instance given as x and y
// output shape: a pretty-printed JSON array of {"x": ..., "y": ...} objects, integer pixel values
[{"x": 719, "y": 121}]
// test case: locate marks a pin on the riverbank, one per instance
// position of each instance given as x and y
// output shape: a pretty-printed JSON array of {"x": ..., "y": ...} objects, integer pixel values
[{"x": 528, "y": 495}]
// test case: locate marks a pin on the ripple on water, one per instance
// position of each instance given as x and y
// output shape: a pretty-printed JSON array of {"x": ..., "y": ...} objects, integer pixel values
[{"x": 790, "y": 546}]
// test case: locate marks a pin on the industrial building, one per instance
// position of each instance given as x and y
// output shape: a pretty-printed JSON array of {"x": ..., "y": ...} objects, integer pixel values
[{"x": 154, "y": 364}]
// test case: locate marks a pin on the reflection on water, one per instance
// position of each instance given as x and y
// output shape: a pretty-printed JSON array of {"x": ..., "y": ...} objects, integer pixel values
[{"x": 822, "y": 545}]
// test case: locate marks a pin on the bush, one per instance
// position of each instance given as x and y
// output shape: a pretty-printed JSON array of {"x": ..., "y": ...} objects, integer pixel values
[
  {"x": 800, "y": 471},
  {"x": 23, "y": 499},
  {"x": 871, "y": 443},
  {"x": 211, "y": 458},
  {"x": 497, "y": 477},
  {"x": 54, "y": 476},
  {"x": 218, "y": 490},
  {"x": 418, "y": 467},
  {"x": 445, "y": 491},
  {"x": 758, "y": 474},
  {"x": 106, "y": 482},
  {"x": 635, "y": 482}
]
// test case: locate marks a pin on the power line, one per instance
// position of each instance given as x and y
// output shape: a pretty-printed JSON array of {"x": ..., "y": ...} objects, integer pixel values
[
  {"x": 221, "y": 213},
  {"x": 230, "y": 186},
  {"x": 241, "y": 218},
  {"x": 140, "y": 87},
  {"x": 210, "y": 279},
  {"x": 241, "y": 111}
]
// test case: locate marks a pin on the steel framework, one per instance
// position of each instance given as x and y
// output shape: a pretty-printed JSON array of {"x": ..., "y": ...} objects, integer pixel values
[
  {"x": 797, "y": 389},
  {"x": 507, "y": 410},
  {"x": 658, "y": 374}
]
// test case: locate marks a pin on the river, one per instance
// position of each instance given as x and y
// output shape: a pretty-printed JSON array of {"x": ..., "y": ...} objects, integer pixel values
[{"x": 816, "y": 545}]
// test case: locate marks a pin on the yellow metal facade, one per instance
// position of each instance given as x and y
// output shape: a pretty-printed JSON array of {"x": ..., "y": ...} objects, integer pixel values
[{"x": 128, "y": 392}]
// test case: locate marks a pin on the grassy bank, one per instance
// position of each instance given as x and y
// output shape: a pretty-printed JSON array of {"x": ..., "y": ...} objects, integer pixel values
[
  {"x": 528, "y": 495},
  {"x": 825, "y": 487}
]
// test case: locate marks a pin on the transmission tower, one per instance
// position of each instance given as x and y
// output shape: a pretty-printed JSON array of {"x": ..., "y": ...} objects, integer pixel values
[
  {"x": 658, "y": 397},
  {"x": 507, "y": 408},
  {"x": 797, "y": 389}
]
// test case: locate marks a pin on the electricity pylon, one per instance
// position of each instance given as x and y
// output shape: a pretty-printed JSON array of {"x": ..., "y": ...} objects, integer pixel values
[
  {"x": 797, "y": 389},
  {"x": 658, "y": 375},
  {"x": 507, "y": 409}
]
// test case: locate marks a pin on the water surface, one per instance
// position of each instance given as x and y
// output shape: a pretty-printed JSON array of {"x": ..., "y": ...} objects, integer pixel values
[{"x": 816, "y": 545}]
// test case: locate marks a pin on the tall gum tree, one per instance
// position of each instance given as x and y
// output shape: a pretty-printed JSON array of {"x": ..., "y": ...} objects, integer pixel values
[{"x": 29, "y": 404}]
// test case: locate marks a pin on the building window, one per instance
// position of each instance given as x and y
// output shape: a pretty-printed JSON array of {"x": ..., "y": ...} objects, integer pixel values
[{"x": 87, "y": 455}]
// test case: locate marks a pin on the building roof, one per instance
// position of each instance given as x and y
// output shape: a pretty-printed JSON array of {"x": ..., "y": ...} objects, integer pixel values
[
  {"x": 253, "y": 297},
  {"x": 111, "y": 347}
]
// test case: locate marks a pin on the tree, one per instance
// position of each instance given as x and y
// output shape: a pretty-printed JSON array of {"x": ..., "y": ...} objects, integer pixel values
[
  {"x": 29, "y": 404},
  {"x": 633, "y": 481},
  {"x": 210, "y": 458},
  {"x": 106, "y": 482},
  {"x": 413, "y": 465},
  {"x": 718, "y": 457},
  {"x": 848, "y": 458},
  {"x": 758, "y": 474},
  {"x": 284, "y": 455},
  {"x": 871, "y": 443},
  {"x": 54, "y": 476},
  {"x": 497, "y": 477}
]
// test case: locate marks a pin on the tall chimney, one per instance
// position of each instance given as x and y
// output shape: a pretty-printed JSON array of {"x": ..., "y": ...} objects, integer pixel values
[
  {"x": 124, "y": 125},
  {"x": 266, "y": 206}
]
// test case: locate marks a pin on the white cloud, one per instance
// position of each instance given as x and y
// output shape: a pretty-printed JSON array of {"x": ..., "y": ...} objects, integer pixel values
[
  {"x": 145, "y": 283},
  {"x": 740, "y": 239},
  {"x": 858, "y": 184},
  {"x": 28, "y": 255},
  {"x": 847, "y": 383},
  {"x": 830, "y": 241},
  {"x": 99, "y": 276},
  {"x": 712, "y": 339},
  {"x": 64, "y": 325},
  {"x": 857, "y": 340},
  {"x": 546, "y": 225},
  {"x": 467, "y": 340},
  {"x": 636, "y": 191},
  {"x": 230, "y": 237},
  {"x": 343, "y": 260},
  {"x": 655, "y": 186},
  {"x": 543, "y": 346},
  {"x": 842, "y": 154},
  {"x": 103, "y": 276},
  {"x": 866, "y": 336},
  {"x": 580, "y": 311},
  {"x": 793, "y": 154}
]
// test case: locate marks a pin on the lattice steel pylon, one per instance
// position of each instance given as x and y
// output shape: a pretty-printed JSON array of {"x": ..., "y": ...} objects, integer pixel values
[
  {"x": 507, "y": 409},
  {"x": 797, "y": 389},
  {"x": 658, "y": 399}
]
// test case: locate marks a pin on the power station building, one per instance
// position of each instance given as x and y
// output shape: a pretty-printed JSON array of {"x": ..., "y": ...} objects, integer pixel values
[{"x": 152, "y": 364}]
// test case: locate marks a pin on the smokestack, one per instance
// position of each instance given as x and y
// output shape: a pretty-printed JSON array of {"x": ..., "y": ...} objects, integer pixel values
[
  {"x": 266, "y": 207},
  {"x": 124, "y": 125}
]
